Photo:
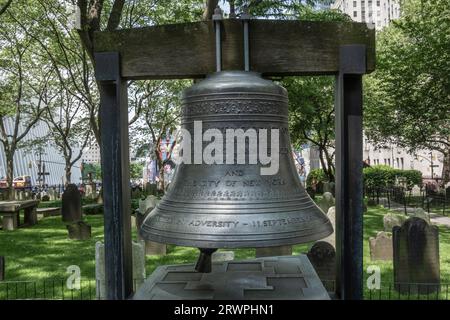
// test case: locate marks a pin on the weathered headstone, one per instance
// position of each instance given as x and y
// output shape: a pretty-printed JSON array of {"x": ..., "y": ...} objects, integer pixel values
[
  {"x": 220, "y": 256},
  {"x": 274, "y": 251},
  {"x": 52, "y": 194},
  {"x": 21, "y": 195},
  {"x": 138, "y": 267},
  {"x": 416, "y": 257},
  {"x": 91, "y": 190},
  {"x": 145, "y": 207},
  {"x": 326, "y": 202},
  {"x": 381, "y": 247},
  {"x": 323, "y": 258},
  {"x": 391, "y": 220},
  {"x": 331, "y": 239},
  {"x": 71, "y": 204},
  {"x": 420, "y": 213},
  {"x": 79, "y": 230},
  {"x": 2, "y": 268},
  {"x": 415, "y": 191},
  {"x": 100, "y": 196}
]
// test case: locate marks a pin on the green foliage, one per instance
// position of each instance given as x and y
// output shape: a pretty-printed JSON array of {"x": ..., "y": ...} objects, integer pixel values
[
  {"x": 407, "y": 97},
  {"x": 317, "y": 175},
  {"x": 93, "y": 209},
  {"x": 136, "y": 170},
  {"x": 384, "y": 176}
]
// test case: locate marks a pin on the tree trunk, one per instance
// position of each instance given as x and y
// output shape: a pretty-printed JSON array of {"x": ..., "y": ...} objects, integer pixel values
[
  {"x": 68, "y": 173},
  {"x": 446, "y": 168},
  {"x": 325, "y": 165},
  {"x": 10, "y": 175},
  {"x": 161, "y": 176}
]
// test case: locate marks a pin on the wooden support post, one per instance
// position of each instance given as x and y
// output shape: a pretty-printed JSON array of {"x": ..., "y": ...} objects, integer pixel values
[
  {"x": 116, "y": 180},
  {"x": 349, "y": 184}
]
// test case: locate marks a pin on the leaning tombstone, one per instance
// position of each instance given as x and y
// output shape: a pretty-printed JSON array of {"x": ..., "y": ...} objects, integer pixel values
[
  {"x": 72, "y": 214},
  {"x": 322, "y": 256},
  {"x": 326, "y": 202},
  {"x": 381, "y": 247},
  {"x": 138, "y": 267},
  {"x": 416, "y": 257}
]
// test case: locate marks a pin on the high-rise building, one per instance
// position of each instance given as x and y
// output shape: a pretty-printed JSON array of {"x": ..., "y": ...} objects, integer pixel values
[{"x": 378, "y": 12}]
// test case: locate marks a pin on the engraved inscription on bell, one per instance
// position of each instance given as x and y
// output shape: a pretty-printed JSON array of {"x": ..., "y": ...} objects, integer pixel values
[{"x": 250, "y": 202}]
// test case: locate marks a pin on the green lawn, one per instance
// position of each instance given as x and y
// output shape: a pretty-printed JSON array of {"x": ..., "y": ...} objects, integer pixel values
[{"x": 43, "y": 252}]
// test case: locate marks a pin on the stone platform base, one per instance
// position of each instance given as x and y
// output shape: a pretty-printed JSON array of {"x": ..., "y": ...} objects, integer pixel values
[{"x": 270, "y": 278}]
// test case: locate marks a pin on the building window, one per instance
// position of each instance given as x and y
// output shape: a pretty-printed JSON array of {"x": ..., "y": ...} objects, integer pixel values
[
  {"x": 402, "y": 162},
  {"x": 355, "y": 14},
  {"x": 378, "y": 3},
  {"x": 354, "y": 4},
  {"x": 398, "y": 163}
]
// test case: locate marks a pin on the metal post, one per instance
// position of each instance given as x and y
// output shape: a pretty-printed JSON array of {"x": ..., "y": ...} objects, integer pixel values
[
  {"x": 116, "y": 181},
  {"x": 245, "y": 17},
  {"x": 349, "y": 201},
  {"x": 217, "y": 17}
]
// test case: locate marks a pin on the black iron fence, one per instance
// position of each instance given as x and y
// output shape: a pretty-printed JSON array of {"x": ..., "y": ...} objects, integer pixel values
[
  {"x": 404, "y": 199},
  {"x": 55, "y": 289}
]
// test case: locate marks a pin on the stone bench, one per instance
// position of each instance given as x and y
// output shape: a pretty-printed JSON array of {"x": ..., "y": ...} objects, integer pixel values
[
  {"x": 49, "y": 212},
  {"x": 10, "y": 212}
]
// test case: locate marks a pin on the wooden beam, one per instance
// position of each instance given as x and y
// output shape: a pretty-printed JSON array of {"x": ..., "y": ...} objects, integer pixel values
[{"x": 277, "y": 48}]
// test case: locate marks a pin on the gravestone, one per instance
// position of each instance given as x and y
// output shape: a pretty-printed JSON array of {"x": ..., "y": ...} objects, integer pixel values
[
  {"x": 331, "y": 239},
  {"x": 274, "y": 251},
  {"x": 79, "y": 230},
  {"x": 21, "y": 195},
  {"x": 145, "y": 207},
  {"x": 391, "y": 220},
  {"x": 71, "y": 204},
  {"x": 381, "y": 247},
  {"x": 415, "y": 191},
  {"x": 416, "y": 257},
  {"x": 420, "y": 213},
  {"x": 2, "y": 268},
  {"x": 91, "y": 190},
  {"x": 138, "y": 249},
  {"x": 221, "y": 256},
  {"x": 100, "y": 196},
  {"x": 322, "y": 256},
  {"x": 326, "y": 202},
  {"x": 52, "y": 194}
]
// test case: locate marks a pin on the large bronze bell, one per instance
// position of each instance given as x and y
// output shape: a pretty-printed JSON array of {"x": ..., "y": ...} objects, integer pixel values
[{"x": 234, "y": 205}]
